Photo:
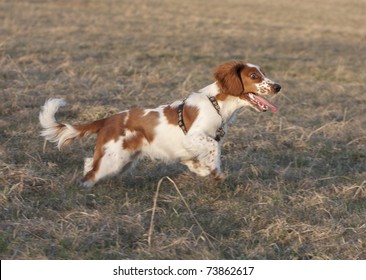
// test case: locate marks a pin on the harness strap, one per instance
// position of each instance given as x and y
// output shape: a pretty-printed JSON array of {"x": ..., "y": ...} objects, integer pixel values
[
  {"x": 220, "y": 132},
  {"x": 180, "y": 117}
]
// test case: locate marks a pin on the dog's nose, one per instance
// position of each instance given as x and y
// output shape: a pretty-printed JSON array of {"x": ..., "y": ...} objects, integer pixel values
[{"x": 276, "y": 87}]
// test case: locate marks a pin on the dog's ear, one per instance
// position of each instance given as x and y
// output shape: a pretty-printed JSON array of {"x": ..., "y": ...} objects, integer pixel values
[{"x": 228, "y": 77}]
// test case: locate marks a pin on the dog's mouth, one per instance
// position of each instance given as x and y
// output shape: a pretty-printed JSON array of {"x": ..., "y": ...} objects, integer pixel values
[{"x": 259, "y": 103}]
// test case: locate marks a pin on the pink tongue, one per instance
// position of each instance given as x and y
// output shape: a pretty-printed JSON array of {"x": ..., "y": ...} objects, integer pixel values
[{"x": 265, "y": 102}]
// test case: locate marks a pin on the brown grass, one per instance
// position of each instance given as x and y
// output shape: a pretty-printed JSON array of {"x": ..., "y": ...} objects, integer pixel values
[{"x": 296, "y": 181}]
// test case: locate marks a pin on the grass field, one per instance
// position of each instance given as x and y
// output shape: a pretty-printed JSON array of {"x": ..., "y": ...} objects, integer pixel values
[{"x": 296, "y": 181}]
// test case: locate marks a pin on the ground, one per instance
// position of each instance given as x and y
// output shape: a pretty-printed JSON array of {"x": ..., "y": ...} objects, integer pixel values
[{"x": 296, "y": 180}]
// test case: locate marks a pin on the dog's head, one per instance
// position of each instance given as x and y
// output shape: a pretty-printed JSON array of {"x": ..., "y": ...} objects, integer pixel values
[{"x": 247, "y": 82}]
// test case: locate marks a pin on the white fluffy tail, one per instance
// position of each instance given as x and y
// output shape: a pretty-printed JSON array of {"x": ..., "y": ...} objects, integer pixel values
[{"x": 52, "y": 130}]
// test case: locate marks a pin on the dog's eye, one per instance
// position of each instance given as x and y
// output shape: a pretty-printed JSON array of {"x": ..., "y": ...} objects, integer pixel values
[{"x": 253, "y": 76}]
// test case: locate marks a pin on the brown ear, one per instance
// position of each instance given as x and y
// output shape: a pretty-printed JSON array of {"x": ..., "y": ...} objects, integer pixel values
[{"x": 228, "y": 77}]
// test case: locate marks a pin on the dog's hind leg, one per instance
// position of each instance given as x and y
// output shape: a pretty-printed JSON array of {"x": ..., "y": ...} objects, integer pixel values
[
  {"x": 88, "y": 165},
  {"x": 108, "y": 161}
]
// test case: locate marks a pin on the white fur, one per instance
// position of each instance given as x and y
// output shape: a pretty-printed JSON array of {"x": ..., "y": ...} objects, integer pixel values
[
  {"x": 88, "y": 165},
  {"x": 50, "y": 125},
  {"x": 47, "y": 116}
]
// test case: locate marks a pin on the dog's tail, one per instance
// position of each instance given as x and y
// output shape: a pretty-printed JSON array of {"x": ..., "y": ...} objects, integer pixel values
[{"x": 60, "y": 133}]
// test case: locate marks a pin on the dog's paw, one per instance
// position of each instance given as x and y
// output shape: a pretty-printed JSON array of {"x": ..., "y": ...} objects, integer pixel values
[
  {"x": 218, "y": 175},
  {"x": 87, "y": 184}
]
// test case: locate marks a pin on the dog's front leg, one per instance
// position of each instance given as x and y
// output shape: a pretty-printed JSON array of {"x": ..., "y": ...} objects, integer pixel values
[{"x": 205, "y": 155}]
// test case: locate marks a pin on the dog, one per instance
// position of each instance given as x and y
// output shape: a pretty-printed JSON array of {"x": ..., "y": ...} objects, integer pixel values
[{"x": 189, "y": 131}]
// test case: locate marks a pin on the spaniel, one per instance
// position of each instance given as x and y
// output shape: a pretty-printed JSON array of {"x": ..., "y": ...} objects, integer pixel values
[{"x": 189, "y": 131}]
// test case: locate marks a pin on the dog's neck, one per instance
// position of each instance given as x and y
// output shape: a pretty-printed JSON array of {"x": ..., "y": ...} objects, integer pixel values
[{"x": 228, "y": 106}]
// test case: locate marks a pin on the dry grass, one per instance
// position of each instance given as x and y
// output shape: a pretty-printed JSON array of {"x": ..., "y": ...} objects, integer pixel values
[{"x": 296, "y": 185}]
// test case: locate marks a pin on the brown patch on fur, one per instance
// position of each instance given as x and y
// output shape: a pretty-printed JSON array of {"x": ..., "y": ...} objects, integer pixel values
[
  {"x": 89, "y": 128},
  {"x": 228, "y": 78},
  {"x": 250, "y": 84},
  {"x": 221, "y": 96},
  {"x": 190, "y": 114},
  {"x": 134, "y": 142},
  {"x": 113, "y": 127},
  {"x": 98, "y": 154},
  {"x": 144, "y": 124},
  {"x": 234, "y": 78},
  {"x": 171, "y": 114}
]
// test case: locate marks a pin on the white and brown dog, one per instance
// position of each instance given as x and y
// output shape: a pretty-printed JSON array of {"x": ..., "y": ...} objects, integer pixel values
[{"x": 189, "y": 131}]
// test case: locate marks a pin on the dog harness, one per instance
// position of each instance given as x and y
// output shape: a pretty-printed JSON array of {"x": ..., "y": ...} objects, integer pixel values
[{"x": 220, "y": 132}]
